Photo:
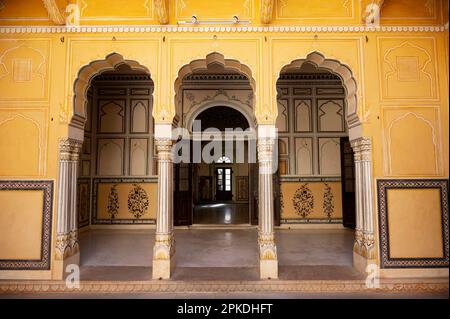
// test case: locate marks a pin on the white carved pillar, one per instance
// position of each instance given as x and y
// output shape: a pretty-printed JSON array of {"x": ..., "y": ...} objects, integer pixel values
[
  {"x": 366, "y": 168},
  {"x": 66, "y": 222},
  {"x": 364, "y": 248},
  {"x": 266, "y": 239},
  {"x": 357, "y": 247},
  {"x": 164, "y": 249}
]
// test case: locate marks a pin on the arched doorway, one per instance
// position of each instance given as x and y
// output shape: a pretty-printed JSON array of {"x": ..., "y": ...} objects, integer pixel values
[
  {"x": 106, "y": 162},
  {"x": 325, "y": 161}
]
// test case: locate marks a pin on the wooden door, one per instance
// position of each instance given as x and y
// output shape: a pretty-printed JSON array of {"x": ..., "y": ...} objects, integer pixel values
[
  {"x": 183, "y": 194},
  {"x": 348, "y": 184}
]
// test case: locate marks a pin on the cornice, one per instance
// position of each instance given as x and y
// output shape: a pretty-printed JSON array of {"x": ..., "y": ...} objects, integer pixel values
[{"x": 222, "y": 29}]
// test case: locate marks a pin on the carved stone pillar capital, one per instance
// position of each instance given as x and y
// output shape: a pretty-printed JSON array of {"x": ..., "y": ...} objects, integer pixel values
[{"x": 69, "y": 150}]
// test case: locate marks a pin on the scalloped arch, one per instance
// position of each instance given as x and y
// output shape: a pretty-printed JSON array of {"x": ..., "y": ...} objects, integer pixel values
[
  {"x": 85, "y": 76},
  {"x": 211, "y": 59},
  {"x": 343, "y": 72}
]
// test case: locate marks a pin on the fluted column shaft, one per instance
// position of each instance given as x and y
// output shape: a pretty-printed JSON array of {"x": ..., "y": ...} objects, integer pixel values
[
  {"x": 164, "y": 248},
  {"x": 266, "y": 240},
  {"x": 364, "y": 234},
  {"x": 66, "y": 224}
]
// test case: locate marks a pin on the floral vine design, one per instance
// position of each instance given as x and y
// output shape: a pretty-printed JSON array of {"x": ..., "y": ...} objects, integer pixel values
[
  {"x": 328, "y": 201},
  {"x": 113, "y": 202},
  {"x": 281, "y": 202},
  {"x": 303, "y": 201},
  {"x": 138, "y": 201}
]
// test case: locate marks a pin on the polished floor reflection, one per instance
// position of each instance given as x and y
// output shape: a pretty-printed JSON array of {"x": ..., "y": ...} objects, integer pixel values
[
  {"x": 221, "y": 213},
  {"x": 217, "y": 254}
]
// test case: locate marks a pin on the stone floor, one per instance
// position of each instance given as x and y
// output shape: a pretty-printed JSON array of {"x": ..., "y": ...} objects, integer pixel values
[{"x": 218, "y": 254}]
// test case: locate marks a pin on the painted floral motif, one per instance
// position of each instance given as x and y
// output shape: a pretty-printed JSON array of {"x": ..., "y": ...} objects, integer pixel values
[
  {"x": 303, "y": 201},
  {"x": 113, "y": 202},
  {"x": 328, "y": 201},
  {"x": 281, "y": 202},
  {"x": 137, "y": 201}
]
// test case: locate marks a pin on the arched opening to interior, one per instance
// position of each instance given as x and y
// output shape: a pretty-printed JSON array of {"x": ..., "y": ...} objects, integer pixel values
[
  {"x": 316, "y": 109},
  {"x": 215, "y": 96},
  {"x": 116, "y": 184}
]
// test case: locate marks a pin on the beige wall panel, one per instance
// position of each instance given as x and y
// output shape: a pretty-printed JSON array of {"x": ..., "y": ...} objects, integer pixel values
[
  {"x": 303, "y": 116},
  {"x": 139, "y": 116},
  {"x": 415, "y": 223},
  {"x": 329, "y": 156},
  {"x": 111, "y": 116},
  {"x": 313, "y": 194},
  {"x": 138, "y": 157},
  {"x": 304, "y": 156},
  {"x": 408, "y": 68},
  {"x": 20, "y": 224},
  {"x": 330, "y": 115},
  {"x": 110, "y": 157},
  {"x": 412, "y": 146},
  {"x": 24, "y": 70},
  {"x": 123, "y": 191}
]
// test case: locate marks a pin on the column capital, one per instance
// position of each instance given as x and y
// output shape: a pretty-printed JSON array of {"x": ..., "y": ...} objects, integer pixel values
[{"x": 69, "y": 149}]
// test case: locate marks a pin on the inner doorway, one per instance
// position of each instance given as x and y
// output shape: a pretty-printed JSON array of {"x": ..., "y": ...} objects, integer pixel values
[{"x": 215, "y": 190}]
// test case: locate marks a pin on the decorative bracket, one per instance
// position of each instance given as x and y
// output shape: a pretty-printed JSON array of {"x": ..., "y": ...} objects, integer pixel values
[
  {"x": 266, "y": 11},
  {"x": 53, "y": 11},
  {"x": 372, "y": 12},
  {"x": 162, "y": 10}
]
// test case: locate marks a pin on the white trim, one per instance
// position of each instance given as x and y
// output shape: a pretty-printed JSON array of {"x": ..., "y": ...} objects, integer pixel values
[{"x": 227, "y": 29}]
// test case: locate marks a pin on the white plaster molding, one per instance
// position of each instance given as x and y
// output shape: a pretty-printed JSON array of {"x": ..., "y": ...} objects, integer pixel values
[
  {"x": 215, "y": 29},
  {"x": 53, "y": 11}
]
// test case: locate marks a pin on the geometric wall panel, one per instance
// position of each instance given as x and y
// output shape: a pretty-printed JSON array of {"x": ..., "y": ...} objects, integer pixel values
[
  {"x": 24, "y": 70},
  {"x": 26, "y": 227},
  {"x": 408, "y": 68},
  {"x": 418, "y": 211}
]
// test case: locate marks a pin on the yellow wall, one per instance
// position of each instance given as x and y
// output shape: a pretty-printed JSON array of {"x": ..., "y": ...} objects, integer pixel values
[{"x": 402, "y": 79}]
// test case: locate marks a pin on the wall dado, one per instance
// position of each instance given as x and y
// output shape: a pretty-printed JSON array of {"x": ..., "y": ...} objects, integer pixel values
[{"x": 402, "y": 82}]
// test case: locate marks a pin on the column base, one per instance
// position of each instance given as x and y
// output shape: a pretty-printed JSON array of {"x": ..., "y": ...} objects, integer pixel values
[
  {"x": 360, "y": 263},
  {"x": 268, "y": 269},
  {"x": 60, "y": 266},
  {"x": 163, "y": 268}
]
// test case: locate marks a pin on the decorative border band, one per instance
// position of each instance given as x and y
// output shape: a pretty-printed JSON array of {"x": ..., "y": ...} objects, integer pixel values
[
  {"x": 309, "y": 221},
  {"x": 318, "y": 286},
  {"x": 205, "y": 29},
  {"x": 95, "y": 221},
  {"x": 386, "y": 260},
  {"x": 44, "y": 262}
]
